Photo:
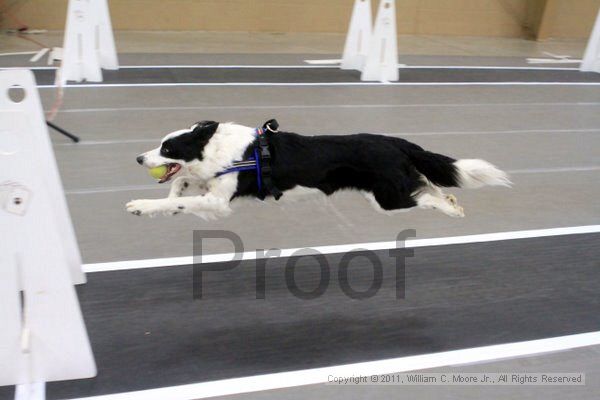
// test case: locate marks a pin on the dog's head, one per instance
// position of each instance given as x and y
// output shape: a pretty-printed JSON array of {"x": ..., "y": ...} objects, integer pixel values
[{"x": 179, "y": 149}]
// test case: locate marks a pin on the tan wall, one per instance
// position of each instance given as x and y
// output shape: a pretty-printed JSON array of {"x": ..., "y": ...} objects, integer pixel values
[
  {"x": 535, "y": 13},
  {"x": 512, "y": 18},
  {"x": 463, "y": 17},
  {"x": 568, "y": 18}
]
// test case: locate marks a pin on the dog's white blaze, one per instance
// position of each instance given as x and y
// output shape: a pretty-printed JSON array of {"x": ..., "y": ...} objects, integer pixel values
[
  {"x": 177, "y": 133},
  {"x": 153, "y": 158}
]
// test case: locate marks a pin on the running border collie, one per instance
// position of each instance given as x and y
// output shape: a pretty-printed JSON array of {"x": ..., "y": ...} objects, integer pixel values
[{"x": 393, "y": 174}]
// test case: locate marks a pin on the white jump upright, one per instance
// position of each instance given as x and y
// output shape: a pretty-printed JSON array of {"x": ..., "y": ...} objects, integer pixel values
[
  {"x": 591, "y": 58},
  {"x": 358, "y": 37},
  {"x": 43, "y": 336},
  {"x": 382, "y": 61},
  {"x": 89, "y": 44}
]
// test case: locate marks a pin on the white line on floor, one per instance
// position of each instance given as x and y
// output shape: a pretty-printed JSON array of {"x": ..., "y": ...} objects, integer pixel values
[
  {"x": 240, "y": 66},
  {"x": 312, "y": 84},
  {"x": 515, "y": 131},
  {"x": 337, "y": 249},
  {"x": 18, "y": 53},
  {"x": 317, "y": 106},
  {"x": 31, "y": 68},
  {"x": 130, "y": 188},
  {"x": 486, "y": 67},
  {"x": 336, "y": 63},
  {"x": 323, "y": 375},
  {"x": 553, "y": 61},
  {"x": 522, "y": 131},
  {"x": 217, "y": 66}
]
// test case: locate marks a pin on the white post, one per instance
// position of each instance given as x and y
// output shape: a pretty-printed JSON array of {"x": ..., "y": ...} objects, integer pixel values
[
  {"x": 382, "y": 61},
  {"x": 106, "y": 41},
  {"x": 43, "y": 337},
  {"x": 358, "y": 38},
  {"x": 591, "y": 59},
  {"x": 89, "y": 44}
]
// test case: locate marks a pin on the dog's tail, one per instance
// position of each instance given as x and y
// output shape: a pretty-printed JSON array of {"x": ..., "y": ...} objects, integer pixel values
[{"x": 448, "y": 172}]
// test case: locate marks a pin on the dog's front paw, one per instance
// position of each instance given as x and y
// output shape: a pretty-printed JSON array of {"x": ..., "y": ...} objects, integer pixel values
[{"x": 142, "y": 207}]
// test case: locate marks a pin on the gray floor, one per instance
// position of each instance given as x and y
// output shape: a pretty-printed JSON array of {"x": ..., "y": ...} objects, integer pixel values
[
  {"x": 548, "y": 137},
  {"x": 168, "y": 335}
]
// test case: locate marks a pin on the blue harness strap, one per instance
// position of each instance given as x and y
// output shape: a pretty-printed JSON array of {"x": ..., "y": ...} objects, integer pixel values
[
  {"x": 259, "y": 162},
  {"x": 253, "y": 163}
]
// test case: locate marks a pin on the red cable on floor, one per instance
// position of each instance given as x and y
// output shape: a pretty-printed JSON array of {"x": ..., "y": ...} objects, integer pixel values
[{"x": 5, "y": 9}]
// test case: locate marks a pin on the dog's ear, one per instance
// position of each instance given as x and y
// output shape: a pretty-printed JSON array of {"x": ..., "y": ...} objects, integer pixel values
[
  {"x": 206, "y": 127},
  {"x": 203, "y": 132}
]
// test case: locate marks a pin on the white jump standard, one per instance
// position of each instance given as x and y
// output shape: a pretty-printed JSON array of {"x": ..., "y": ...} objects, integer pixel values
[
  {"x": 591, "y": 58},
  {"x": 43, "y": 337},
  {"x": 371, "y": 50},
  {"x": 358, "y": 39},
  {"x": 382, "y": 61},
  {"x": 89, "y": 44}
]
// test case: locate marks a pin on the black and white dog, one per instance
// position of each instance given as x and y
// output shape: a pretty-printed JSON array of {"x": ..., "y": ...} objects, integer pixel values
[{"x": 392, "y": 173}]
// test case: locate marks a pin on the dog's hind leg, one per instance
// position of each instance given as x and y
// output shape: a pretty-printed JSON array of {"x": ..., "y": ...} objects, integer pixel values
[
  {"x": 389, "y": 199},
  {"x": 429, "y": 200},
  {"x": 431, "y": 196}
]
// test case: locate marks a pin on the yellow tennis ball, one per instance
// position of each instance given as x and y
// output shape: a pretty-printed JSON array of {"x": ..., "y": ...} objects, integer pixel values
[{"x": 158, "y": 172}]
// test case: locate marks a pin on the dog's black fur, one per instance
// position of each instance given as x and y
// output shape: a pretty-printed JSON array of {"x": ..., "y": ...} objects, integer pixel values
[{"x": 388, "y": 167}]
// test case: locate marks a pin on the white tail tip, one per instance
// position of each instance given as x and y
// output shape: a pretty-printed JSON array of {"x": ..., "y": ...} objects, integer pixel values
[{"x": 473, "y": 173}]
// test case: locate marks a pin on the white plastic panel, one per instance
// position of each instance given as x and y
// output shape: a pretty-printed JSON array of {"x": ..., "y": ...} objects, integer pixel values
[
  {"x": 43, "y": 337},
  {"x": 382, "y": 61},
  {"x": 358, "y": 38}
]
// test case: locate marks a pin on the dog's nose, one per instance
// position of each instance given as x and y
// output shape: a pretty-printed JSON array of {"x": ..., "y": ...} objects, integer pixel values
[{"x": 140, "y": 160}]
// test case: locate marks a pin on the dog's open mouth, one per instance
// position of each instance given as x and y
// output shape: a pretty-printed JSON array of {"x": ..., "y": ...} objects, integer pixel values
[{"x": 172, "y": 169}]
